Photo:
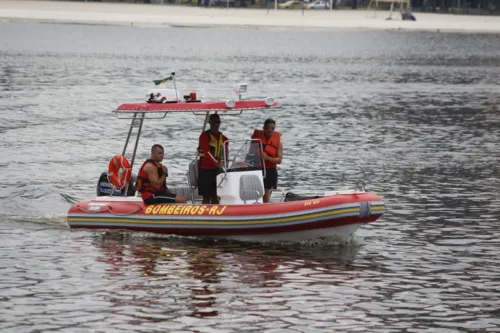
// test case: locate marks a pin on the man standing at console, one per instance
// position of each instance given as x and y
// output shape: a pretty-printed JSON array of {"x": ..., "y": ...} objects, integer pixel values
[{"x": 211, "y": 143}]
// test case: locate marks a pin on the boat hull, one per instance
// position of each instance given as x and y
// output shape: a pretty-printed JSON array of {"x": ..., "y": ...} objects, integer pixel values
[{"x": 335, "y": 215}]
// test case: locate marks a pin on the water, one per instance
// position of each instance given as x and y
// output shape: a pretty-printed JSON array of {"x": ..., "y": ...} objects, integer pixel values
[{"x": 412, "y": 116}]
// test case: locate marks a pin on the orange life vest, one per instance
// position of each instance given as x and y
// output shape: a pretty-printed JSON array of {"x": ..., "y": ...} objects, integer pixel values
[
  {"x": 270, "y": 146},
  {"x": 144, "y": 184}
]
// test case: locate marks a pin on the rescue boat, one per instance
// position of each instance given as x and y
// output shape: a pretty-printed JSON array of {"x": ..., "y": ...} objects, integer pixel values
[{"x": 241, "y": 214}]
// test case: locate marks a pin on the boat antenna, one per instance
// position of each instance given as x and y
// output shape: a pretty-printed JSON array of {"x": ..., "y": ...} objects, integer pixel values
[{"x": 175, "y": 87}]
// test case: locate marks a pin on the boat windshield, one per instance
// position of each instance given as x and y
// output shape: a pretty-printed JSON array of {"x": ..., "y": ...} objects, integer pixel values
[{"x": 243, "y": 155}]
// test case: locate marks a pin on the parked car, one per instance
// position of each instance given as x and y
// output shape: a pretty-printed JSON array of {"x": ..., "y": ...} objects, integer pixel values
[
  {"x": 321, "y": 4},
  {"x": 222, "y": 3},
  {"x": 292, "y": 4}
]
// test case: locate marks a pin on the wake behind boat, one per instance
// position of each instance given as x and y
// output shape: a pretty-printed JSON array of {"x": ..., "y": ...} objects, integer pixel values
[{"x": 241, "y": 214}]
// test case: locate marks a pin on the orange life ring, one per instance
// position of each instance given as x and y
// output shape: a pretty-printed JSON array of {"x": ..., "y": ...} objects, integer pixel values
[{"x": 119, "y": 171}]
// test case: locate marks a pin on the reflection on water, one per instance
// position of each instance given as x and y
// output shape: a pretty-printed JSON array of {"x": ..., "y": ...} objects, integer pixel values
[
  {"x": 411, "y": 116},
  {"x": 164, "y": 276},
  {"x": 136, "y": 282}
]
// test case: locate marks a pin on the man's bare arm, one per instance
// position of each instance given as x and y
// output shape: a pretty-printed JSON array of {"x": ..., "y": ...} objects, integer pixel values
[{"x": 152, "y": 172}]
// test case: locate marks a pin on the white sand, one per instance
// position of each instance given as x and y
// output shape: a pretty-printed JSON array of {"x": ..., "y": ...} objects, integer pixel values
[{"x": 169, "y": 15}]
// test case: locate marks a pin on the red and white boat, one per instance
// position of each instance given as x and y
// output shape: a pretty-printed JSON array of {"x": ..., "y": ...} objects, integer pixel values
[{"x": 241, "y": 214}]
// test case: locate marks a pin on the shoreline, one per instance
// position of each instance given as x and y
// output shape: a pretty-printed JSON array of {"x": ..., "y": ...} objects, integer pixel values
[{"x": 165, "y": 16}]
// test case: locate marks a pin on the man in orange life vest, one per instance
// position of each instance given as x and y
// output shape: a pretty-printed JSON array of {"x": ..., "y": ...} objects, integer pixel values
[
  {"x": 272, "y": 154},
  {"x": 210, "y": 147},
  {"x": 152, "y": 180}
]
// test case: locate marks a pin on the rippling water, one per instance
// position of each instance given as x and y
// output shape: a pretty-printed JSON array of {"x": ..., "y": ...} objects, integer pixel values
[{"x": 413, "y": 116}]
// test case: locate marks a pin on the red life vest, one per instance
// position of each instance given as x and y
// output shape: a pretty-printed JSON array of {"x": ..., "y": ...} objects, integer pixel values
[
  {"x": 144, "y": 184},
  {"x": 270, "y": 146}
]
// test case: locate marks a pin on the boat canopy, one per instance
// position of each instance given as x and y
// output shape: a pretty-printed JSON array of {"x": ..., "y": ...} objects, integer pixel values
[{"x": 220, "y": 106}]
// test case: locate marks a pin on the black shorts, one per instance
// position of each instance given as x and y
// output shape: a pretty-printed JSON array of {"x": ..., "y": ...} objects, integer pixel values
[
  {"x": 271, "y": 180},
  {"x": 161, "y": 197},
  {"x": 207, "y": 182}
]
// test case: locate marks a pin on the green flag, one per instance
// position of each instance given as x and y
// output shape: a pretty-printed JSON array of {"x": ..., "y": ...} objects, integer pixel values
[{"x": 157, "y": 82}]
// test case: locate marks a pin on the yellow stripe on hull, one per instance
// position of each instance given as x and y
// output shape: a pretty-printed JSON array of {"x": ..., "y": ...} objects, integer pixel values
[{"x": 155, "y": 221}]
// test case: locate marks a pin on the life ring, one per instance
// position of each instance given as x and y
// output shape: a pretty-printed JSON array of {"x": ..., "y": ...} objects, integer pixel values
[{"x": 119, "y": 171}]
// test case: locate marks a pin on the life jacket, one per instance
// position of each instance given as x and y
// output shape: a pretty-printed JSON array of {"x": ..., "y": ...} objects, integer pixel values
[
  {"x": 143, "y": 183},
  {"x": 270, "y": 146},
  {"x": 215, "y": 146}
]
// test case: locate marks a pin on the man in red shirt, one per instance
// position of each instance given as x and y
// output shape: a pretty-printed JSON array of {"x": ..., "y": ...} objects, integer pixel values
[{"x": 210, "y": 147}]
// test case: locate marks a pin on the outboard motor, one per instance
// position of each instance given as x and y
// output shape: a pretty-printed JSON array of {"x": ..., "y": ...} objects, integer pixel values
[{"x": 104, "y": 187}]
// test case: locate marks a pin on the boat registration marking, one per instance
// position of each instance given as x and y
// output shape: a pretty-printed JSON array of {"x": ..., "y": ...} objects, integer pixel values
[
  {"x": 184, "y": 210},
  {"x": 96, "y": 207},
  {"x": 311, "y": 202}
]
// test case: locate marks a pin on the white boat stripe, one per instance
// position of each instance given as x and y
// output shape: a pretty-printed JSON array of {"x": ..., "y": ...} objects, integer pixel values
[
  {"x": 223, "y": 218},
  {"x": 211, "y": 226}
]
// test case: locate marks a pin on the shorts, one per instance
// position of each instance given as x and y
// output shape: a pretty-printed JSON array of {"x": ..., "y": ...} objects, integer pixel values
[
  {"x": 159, "y": 198},
  {"x": 271, "y": 180},
  {"x": 207, "y": 182}
]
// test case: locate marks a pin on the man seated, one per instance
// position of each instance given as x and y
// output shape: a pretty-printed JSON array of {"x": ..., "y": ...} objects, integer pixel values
[{"x": 152, "y": 180}]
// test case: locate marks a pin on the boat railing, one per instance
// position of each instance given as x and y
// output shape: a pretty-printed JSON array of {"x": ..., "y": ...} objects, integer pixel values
[
  {"x": 281, "y": 191},
  {"x": 322, "y": 193}
]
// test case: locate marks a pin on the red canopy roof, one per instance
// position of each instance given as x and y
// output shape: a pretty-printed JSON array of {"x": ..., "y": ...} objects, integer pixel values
[{"x": 193, "y": 106}]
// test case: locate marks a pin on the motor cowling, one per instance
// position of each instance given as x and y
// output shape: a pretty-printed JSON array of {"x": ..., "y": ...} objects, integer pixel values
[{"x": 104, "y": 187}]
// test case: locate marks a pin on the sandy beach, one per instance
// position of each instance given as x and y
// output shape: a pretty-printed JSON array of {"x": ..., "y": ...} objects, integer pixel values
[{"x": 184, "y": 16}]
